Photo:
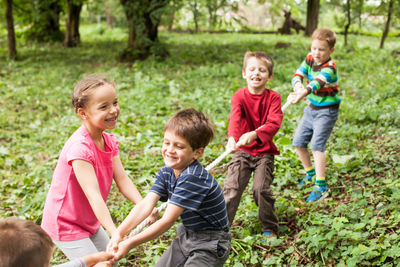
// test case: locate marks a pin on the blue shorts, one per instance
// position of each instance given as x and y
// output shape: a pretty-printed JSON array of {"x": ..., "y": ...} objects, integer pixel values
[{"x": 315, "y": 127}]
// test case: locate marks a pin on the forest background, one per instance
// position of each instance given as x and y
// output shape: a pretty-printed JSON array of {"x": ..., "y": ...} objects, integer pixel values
[{"x": 169, "y": 55}]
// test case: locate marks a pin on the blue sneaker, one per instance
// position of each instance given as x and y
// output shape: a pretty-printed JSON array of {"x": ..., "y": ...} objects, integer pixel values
[
  {"x": 307, "y": 179},
  {"x": 267, "y": 235},
  {"x": 319, "y": 192}
]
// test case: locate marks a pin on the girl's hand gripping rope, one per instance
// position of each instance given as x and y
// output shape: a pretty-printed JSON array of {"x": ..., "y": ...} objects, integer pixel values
[
  {"x": 113, "y": 244},
  {"x": 122, "y": 250}
]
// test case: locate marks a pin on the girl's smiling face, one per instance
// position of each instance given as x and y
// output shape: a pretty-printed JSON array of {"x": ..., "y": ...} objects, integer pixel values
[{"x": 102, "y": 109}]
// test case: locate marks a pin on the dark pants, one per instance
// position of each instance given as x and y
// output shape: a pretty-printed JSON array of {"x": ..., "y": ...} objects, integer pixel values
[
  {"x": 197, "y": 249},
  {"x": 239, "y": 173}
]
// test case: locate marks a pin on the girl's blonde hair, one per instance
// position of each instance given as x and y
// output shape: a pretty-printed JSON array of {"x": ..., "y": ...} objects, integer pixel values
[{"x": 84, "y": 88}]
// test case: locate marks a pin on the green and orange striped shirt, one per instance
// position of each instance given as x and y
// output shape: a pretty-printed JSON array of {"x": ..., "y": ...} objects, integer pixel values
[{"x": 322, "y": 81}]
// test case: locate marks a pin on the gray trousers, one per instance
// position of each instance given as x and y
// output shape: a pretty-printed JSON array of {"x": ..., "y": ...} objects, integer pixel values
[
  {"x": 85, "y": 246},
  {"x": 239, "y": 172},
  {"x": 197, "y": 249}
]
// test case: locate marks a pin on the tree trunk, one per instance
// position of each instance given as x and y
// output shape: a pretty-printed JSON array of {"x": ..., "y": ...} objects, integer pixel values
[
  {"x": 143, "y": 18},
  {"x": 347, "y": 26},
  {"x": 72, "y": 36},
  {"x": 75, "y": 33},
  {"x": 171, "y": 20},
  {"x": 387, "y": 25},
  {"x": 312, "y": 16},
  {"x": 287, "y": 24},
  {"x": 196, "y": 14},
  {"x": 46, "y": 26},
  {"x": 212, "y": 7},
  {"x": 12, "y": 50},
  {"x": 360, "y": 11},
  {"x": 210, "y": 19},
  {"x": 174, "y": 6},
  {"x": 109, "y": 17}
]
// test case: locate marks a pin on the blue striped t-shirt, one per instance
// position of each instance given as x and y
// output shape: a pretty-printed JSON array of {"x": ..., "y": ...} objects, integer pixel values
[{"x": 198, "y": 193}]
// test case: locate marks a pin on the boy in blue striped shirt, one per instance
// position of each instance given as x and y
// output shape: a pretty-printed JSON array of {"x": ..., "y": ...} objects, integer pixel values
[{"x": 193, "y": 194}]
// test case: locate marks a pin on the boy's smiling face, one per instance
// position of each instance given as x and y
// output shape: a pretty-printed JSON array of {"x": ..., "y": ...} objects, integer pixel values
[
  {"x": 321, "y": 51},
  {"x": 256, "y": 74},
  {"x": 177, "y": 152}
]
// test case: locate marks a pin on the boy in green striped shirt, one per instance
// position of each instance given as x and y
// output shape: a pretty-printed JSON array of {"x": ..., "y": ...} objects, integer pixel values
[{"x": 322, "y": 112}]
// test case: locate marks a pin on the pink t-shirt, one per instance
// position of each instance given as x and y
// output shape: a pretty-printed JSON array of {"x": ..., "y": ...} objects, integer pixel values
[{"x": 67, "y": 214}]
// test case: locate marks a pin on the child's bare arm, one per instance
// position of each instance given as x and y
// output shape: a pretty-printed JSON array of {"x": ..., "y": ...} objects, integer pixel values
[
  {"x": 125, "y": 185},
  {"x": 103, "y": 264},
  {"x": 99, "y": 259},
  {"x": 154, "y": 216},
  {"x": 171, "y": 214},
  {"x": 87, "y": 179},
  {"x": 140, "y": 212}
]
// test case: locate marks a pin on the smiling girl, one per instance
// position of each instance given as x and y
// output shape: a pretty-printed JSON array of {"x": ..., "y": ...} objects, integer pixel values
[{"x": 75, "y": 211}]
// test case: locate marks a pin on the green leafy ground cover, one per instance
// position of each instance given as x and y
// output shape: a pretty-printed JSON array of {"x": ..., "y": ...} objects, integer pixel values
[{"x": 358, "y": 225}]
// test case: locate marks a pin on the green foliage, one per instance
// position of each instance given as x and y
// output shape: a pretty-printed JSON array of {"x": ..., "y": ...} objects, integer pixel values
[
  {"x": 46, "y": 21},
  {"x": 357, "y": 225},
  {"x": 143, "y": 19},
  {"x": 367, "y": 17}
]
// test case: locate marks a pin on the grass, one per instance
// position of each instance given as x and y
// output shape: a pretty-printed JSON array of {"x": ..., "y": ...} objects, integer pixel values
[{"x": 356, "y": 226}]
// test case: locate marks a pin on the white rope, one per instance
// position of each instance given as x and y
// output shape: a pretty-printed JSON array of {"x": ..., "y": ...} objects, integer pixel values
[{"x": 144, "y": 223}]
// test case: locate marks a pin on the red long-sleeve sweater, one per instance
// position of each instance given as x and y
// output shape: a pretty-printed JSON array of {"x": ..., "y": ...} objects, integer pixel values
[{"x": 249, "y": 112}]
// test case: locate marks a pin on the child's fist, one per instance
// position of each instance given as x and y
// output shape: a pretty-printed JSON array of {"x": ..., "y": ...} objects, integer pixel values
[
  {"x": 103, "y": 264},
  {"x": 99, "y": 259},
  {"x": 247, "y": 138},
  {"x": 299, "y": 95},
  {"x": 112, "y": 246},
  {"x": 123, "y": 248},
  {"x": 298, "y": 87},
  {"x": 231, "y": 146},
  {"x": 154, "y": 216}
]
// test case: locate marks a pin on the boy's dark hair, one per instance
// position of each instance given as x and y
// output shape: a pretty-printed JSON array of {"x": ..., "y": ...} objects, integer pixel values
[
  {"x": 193, "y": 126},
  {"x": 24, "y": 244},
  {"x": 325, "y": 34},
  {"x": 261, "y": 56},
  {"x": 84, "y": 87}
]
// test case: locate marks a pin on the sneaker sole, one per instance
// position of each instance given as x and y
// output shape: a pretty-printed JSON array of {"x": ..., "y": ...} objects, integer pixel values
[{"x": 324, "y": 195}]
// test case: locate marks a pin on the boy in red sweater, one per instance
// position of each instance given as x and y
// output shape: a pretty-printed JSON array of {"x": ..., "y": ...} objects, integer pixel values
[{"x": 255, "y": 118}]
